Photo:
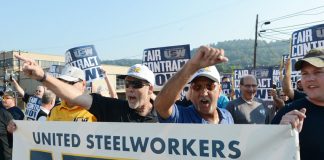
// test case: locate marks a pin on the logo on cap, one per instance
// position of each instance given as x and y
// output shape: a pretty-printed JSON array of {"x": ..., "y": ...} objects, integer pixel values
[
  {"x": 206, "y": 69},
  {"x": 135, "y": 69}
]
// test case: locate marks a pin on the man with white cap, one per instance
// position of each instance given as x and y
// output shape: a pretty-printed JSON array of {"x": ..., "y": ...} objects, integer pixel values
[
  {"x": 138, "y": 107},
  {"x": 307, "y": 114},
  {"x": 205, "y": 89},
  {"x": 139, "y": 88},
  {"x": 67, "y": 110}
]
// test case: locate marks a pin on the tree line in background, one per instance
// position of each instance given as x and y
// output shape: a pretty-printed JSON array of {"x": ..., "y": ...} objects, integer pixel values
[{"x": 239, "y": 52}]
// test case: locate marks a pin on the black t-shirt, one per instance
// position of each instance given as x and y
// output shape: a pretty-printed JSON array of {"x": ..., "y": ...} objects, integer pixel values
[
  {"x": 41, "y": 113},
  {"x": 298, "y": 95},
  {"x": 311, "y": 136},
  {"x": 16, "y": 113},
  {"x": 5, "y": 138},
  {"x": 115, "y": 110},
  {"x": 25, "y": 98}
]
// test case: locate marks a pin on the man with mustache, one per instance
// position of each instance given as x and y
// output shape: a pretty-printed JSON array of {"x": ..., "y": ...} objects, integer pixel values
[
  {"x": 248, "y": 109},
  {"x": 139, "y": 83},
  {"x": 205, "y": 89},
  {"x": 307, "y": 114}
]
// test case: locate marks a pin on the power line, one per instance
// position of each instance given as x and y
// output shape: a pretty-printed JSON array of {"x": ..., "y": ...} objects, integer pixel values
[
  {"x": 272, "y": 37},
  {"x": 294, "y": 14},
  {"x": 296, "y": 25},
  {"x": 275, "y": 32}
]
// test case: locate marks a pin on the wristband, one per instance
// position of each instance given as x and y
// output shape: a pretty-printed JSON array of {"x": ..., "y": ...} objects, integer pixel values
[{"x": 43, "y": 78}]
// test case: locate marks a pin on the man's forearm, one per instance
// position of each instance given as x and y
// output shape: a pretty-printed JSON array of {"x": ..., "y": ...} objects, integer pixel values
[
  {"x": 111, "y": 90},
  {"x": 279, "y": 103},
  {"x": 18, "y": 88},
  {"x": 287, "y": 88},
  {"x": 68, "y": 92},
  {"x": 169, "y": 93}
]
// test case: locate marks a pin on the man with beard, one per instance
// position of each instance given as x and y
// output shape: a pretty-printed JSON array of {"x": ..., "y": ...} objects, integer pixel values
[
  {"x": 205, "y": 89},
  {"x": 248, "y": 109},
  {"x": 307, "y": 114},
  {"x": 139, "y": 89}
]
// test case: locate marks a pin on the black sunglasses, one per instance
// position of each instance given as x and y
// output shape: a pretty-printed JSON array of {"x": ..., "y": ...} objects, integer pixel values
[
  {"x": 70, "y": 83},
  {"x": 136, "y": 84}
]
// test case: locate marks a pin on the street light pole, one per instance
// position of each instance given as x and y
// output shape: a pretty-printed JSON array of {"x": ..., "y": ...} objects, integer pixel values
[{"x": 255, "y": 41}]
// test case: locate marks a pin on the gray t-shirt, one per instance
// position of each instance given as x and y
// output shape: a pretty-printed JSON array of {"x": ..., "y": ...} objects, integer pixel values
[{"x": 255, "y": 112}]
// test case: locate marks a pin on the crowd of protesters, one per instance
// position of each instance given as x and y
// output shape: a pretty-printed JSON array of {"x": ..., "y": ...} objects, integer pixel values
[{"x": 302, "y": 108}]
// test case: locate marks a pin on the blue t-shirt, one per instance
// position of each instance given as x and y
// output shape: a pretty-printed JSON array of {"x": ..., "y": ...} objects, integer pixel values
[
  {"x": 189, "y": 114},
  {"x": 222, "y": 101}
]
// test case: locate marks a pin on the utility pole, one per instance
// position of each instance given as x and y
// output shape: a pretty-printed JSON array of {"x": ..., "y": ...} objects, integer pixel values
[{"x": 255, "y": 41}]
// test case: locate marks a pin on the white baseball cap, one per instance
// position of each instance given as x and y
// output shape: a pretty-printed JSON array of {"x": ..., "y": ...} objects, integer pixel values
[
  {"x": 72, "y": 74},
  {"x": 140, "y": 71},
  {"x": 210, "y": 72}
]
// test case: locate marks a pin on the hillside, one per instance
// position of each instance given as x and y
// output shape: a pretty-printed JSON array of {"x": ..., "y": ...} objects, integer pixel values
[{"x": 239, "y": 52}]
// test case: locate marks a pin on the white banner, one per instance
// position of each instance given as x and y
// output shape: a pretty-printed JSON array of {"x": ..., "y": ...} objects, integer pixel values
[{"x": 102, "y": 141}]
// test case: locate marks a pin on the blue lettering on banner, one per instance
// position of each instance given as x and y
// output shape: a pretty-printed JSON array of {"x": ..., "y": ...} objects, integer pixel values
[
  {"x": 158, "y": 145},
  {"x": 218, "y": 147},
  {"x": 157, "y": 142},
  {"x": 57, "y": 139},
  {"x": 187, "y": 147},
  {"x": 173, "y": 145},
  {"x": 237, "y": 152}
]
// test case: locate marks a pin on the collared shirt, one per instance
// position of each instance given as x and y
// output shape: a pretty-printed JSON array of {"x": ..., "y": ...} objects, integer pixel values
[
  {"x": 249, "y": 112},
  {"x": 181, "y": 114},
  {"x": 75, "y": 113}
]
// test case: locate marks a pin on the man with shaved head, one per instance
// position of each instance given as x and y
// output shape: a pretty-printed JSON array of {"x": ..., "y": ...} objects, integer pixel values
[{"x": 247, "y": 109}]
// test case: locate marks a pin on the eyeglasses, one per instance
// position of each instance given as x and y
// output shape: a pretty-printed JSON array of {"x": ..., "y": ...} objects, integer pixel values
[
  {"x": 250, "y": 85},
  {"x": 282, "y": 95},
  {"x": 198, "y": 87},
  {"x": 136, "y": 84}
]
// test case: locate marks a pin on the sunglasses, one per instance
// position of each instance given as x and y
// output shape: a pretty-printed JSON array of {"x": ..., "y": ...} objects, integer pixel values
[
  {"x": 198, "y": 87},
  {"x": 136, "y": 84},
  {"x": 6, "y": 97},
  {"x": 70, "y": 83}
]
